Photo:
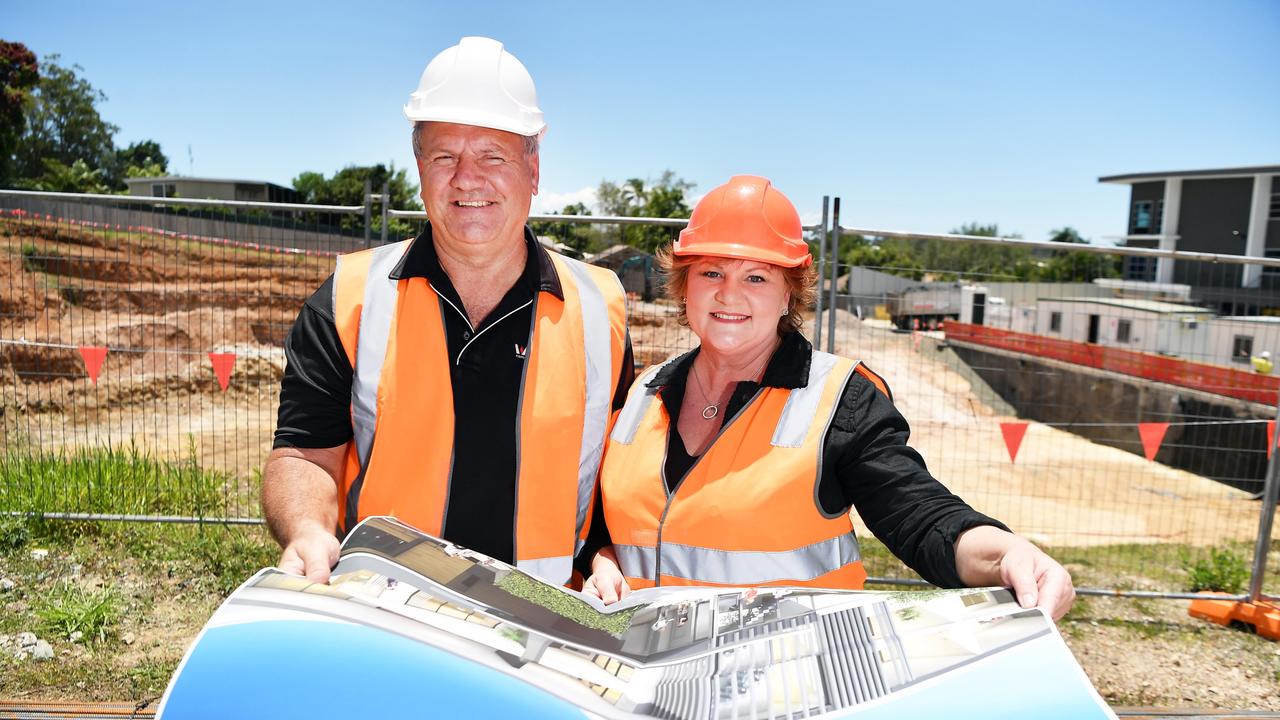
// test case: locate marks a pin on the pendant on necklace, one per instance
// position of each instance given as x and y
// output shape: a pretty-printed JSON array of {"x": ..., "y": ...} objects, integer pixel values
[{"x": 710, "y": 411}]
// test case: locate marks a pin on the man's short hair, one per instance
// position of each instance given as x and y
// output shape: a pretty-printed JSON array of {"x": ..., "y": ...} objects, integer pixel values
[{"x": 530, "y": 142}]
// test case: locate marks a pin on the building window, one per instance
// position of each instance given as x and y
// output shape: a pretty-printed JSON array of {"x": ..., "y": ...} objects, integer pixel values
[
  {"x": 1143, "y": 212},
  {"x": 165, "y": 190},
  {"x": 1159, "y": 225},
  {"x": 1273, "y": 253},
  {"x": 1055, "y": 322},
  {"x": 1242, "y": 348},
  {"x": 1123, "y": 329},
  {"x": 1139, "y": 268},
  {"x": 1275, "y": 201}
]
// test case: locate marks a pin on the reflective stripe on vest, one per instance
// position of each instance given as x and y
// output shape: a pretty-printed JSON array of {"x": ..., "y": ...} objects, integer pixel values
[
  {"x": 398, "y": 465},
  {"x": 747, "y": 512},
  {"x": 741, "y": 567}
]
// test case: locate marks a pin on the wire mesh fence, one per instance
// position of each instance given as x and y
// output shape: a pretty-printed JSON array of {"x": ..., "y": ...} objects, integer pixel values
[{"x": 1115, "y": 420}]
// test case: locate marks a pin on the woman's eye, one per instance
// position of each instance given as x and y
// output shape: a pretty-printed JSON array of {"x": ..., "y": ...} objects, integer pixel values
[
  {"x": 710, "y": 274},
  {"x": 756, "y": 278}
]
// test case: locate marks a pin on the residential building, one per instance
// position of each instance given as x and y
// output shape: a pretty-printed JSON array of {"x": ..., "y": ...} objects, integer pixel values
[{"x": 1230, "y": 211}]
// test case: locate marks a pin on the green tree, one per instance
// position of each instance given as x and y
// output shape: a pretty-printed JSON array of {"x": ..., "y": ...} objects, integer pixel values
[
  {"x": 143, "y": 158},
  {"x": 1067, "y": 234},
  {"x": 889, "y": 255},
  {"x": 346, "y": 187},
  {"x": 660, "y": 198},
  {"x": 19, "y": 73},
  {"x": 63, "y": 124},
  {"x": 581, "y": 237},
  {"x": 77, "y": 177},
  {"x": 1074, "y": 265}
]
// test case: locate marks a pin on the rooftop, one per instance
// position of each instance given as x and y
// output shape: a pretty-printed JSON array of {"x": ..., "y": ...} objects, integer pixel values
[
  {"x": 1143, "y": 305},
  {"x": 1218, "y": 172}
]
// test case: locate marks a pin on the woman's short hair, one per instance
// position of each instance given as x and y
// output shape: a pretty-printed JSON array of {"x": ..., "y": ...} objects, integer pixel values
[{"x": 801, "y": 282}]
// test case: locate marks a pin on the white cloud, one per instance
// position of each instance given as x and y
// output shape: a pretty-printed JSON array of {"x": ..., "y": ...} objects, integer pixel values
[{"x": 549, "y": 202}]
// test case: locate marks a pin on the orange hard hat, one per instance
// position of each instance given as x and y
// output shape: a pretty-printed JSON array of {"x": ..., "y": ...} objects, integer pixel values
[{"x": 747, "y": 219}]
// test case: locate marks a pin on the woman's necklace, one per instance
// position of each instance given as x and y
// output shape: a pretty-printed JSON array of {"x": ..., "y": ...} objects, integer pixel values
[{"x": 711, "y": 409}]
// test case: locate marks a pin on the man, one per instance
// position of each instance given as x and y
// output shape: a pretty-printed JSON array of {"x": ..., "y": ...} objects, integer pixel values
[
  {"x": 462, "y": 380},
  {"x": 1262, "y": 362}
]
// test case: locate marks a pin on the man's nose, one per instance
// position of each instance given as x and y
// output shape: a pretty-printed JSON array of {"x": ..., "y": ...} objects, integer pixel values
[{"x": 467, "y": 174}]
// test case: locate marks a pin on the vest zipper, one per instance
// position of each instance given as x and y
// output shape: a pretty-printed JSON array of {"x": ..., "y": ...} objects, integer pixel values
[{"x": 671, "y": 495}]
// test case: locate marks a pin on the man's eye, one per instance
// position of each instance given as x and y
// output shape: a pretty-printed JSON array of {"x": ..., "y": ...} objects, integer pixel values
[
  {"x": 710, "y": 274},
  {"x": 756, "y": 278}
]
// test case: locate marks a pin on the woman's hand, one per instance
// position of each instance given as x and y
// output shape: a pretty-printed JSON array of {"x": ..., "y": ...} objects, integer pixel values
[
  {"x": 606, "y": 581},
  {"x": 987, "y": 555}
]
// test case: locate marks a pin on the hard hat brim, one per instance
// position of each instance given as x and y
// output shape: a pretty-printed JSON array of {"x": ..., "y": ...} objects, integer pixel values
[
  {"x": 470, "y": 116},
  {"x": 736, "y": 251}
]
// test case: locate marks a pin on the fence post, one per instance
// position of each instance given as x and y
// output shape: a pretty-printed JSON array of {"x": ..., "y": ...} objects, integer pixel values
[
  {"x": 822, "y": 266},
  {"x": 835, "y": 270},
  {"x": 368, "y": 211},
  {"x": 386, "y": 205},
  {"x": 1270, "y": 489}
]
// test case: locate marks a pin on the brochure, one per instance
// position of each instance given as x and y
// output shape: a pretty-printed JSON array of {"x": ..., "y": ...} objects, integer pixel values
[{"x": 413, "y": 626}]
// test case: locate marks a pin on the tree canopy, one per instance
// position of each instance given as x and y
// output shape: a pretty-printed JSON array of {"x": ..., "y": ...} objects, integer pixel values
[
  {"x": 660, "y": 198},
  {"x": 19, "y": 73},
  {"x": 346, "y": 187},
  {"x": 922, "y": 259},
  {"x": 63, "y": 125}
]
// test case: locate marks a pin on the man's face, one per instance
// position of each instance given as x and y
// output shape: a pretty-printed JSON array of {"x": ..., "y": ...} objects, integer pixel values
[{"x": 477, "y": 183}]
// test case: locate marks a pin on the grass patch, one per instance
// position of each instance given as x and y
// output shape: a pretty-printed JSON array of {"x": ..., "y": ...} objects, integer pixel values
[
  {"x": 68, "y": 609},
  {"x": 33, "y": 258},
  {"x": 124, "y": 481}
]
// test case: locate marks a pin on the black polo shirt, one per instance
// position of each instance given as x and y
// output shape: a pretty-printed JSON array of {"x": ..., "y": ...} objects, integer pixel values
[{"x": 486, "y": 363}]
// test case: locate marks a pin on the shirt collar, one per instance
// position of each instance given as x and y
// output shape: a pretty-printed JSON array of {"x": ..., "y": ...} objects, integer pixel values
[
  {"x": 422, "y": 261},
  {"x": 787, "y": 369}
]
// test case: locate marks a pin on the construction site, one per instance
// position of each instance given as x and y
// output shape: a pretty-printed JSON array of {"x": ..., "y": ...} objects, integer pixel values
[{"x": 160, "y": 338}]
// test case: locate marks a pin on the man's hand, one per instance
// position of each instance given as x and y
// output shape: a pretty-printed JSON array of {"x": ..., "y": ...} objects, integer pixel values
[
  {"x": 987, "y": 555},
  {"x": 606, "y": 581},
  {"x": 1037, "y": 580},
  {"x": 311, "y": 554},
  {"x": 300, "y": 503}
]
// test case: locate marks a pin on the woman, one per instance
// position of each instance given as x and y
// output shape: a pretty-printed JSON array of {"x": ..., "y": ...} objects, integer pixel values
[{"x": 737, "y": 463}]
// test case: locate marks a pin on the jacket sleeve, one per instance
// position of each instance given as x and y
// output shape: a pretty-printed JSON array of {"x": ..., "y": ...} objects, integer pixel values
[{"x": 868, "y": 465}]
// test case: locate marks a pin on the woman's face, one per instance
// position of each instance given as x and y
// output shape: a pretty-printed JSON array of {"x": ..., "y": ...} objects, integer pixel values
[{"x": 734, "y": 305}]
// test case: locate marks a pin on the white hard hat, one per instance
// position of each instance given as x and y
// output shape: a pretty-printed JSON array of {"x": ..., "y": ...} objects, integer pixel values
[{"x": 476, "y": 82}]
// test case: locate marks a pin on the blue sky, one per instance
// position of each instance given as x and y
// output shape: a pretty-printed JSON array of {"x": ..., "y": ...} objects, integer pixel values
[{"x": 920, "y": 115}]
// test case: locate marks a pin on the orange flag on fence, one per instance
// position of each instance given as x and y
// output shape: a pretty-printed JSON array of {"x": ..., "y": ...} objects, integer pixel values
[
  {"x": 222, "y": 365},
  {"x": 1271, "y": 438},
  {"x": 93, "y": 356},
  {"x": 1152, "y": 435},
  {"x": 1013, "y": 433}
]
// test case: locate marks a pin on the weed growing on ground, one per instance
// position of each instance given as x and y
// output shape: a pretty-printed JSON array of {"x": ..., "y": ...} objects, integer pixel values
[
  {"x": 14, "y": 532},
  {"x": 1223, "y": 570},
  {"x": 69, "y": 608}
]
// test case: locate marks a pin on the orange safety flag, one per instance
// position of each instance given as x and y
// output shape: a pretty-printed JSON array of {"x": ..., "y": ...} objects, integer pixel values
[
  {"x": 1271, "y": 438},
  {"x": 222, "y": 365},
  {"x": 1013, "y": 433},
  {"x": 1152, "y": 435},
  {"x": 93, "y": 356}
]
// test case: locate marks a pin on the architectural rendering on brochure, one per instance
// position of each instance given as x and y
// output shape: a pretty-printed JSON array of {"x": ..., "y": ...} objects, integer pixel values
[{"x": 409, "y": 621}]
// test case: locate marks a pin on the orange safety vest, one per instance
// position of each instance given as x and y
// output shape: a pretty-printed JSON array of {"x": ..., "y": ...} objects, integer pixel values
[
  {"x": 400, "y": 459},
  {"x": 747, "y": 513}
]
